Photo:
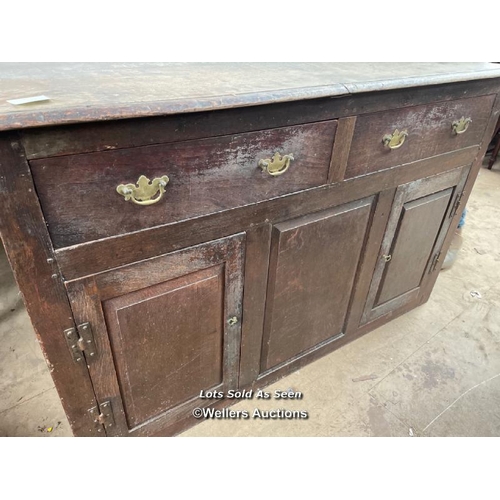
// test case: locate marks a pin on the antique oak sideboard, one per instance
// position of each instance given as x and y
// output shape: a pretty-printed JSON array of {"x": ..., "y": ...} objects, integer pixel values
[{"x": 183, "y": 227}]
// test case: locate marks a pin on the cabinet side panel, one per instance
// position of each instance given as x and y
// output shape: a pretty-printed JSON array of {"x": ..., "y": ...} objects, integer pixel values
[{"x": 28, "y": 247}]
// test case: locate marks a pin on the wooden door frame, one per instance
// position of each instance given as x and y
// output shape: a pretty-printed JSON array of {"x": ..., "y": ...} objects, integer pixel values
[
  {"x": 454, "y": 179},
  {"x": 260, "y": 258}
]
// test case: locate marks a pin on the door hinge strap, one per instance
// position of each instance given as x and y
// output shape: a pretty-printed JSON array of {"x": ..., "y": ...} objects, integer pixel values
[
  {"x": 81, "y": 341},
  {"x": 102, "y": 415},
  {"x": 435, "y": 262},
  {"x": 456, "y": 205}
]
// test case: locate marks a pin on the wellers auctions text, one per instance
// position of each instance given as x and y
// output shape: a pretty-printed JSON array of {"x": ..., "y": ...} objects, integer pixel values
[{"x": 228, "y": 413}]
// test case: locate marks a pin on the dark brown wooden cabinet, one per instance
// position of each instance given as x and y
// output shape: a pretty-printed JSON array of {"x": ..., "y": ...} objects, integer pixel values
[{"x": 216, "y": 239}]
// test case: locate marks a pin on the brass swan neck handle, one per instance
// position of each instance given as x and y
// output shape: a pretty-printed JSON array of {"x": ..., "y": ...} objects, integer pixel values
[
  {"x": 461, "y": 126},
  {"x": 277, "y": 165},
  {"x": 395, "y": 140},
  {"x": 144, "y": 191}
]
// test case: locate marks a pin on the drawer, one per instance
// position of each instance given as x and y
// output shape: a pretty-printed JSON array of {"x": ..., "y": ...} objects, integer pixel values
[
  {"x": 80, "y": 202},
  {"x": 429, "y": 128}
]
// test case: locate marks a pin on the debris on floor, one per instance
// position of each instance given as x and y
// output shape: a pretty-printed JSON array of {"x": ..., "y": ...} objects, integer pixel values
[
  {"x": 365, "y": 377},
  {"x": 48, "y": 429}
]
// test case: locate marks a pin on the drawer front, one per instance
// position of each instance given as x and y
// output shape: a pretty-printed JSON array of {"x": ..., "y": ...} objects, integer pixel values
[
  {"x": 79, "y": 195},
  {"x": 429, "y": 128}
]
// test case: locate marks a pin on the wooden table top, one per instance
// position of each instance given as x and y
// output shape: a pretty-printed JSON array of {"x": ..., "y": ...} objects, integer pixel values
[{"x": 83, "y": 92}]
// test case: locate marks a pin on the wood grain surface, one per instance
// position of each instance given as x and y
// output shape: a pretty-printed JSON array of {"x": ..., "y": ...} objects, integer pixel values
[
  {"x": 310, "y": 258},
  {"x": 86, "y": 137},
  {"x": 103, "y": 91}
]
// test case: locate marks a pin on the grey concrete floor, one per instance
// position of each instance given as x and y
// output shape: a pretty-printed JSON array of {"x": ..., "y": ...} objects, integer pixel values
[{"x": 432, "y": 372}]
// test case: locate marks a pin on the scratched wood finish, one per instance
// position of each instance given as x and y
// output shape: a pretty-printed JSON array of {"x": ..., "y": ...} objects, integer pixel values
[
  {"x": 80, "y": 202},
  {"x": 27, "y": 244},
  {"x": 370, "y": 253},
  {"x": 119, "y": 134},
  {"x": 371, "y": 250},
  {"x": 310, "y": 257},
  {"x": 81, "y": 92},
  {"x": 163, "y": 339},
  {"x": 429, "y": 133}
]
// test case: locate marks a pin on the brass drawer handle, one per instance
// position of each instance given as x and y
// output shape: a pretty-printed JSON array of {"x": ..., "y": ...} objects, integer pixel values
[
  {"x": 395, "y": 140},
  {"x": 277, "y": 165},
  {"x": 144, "y": 191},
  {"x": 461, "y": 126}
]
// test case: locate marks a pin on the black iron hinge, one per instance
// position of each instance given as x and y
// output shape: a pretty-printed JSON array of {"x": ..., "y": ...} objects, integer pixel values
[
  {"x": 81, "y": 342},
  {"x": 435, "y": 262},
  {"x": 456, "y": 205},
  {"x": 103, "y": 415}
]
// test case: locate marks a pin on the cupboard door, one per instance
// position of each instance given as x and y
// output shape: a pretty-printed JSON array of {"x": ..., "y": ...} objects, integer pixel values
[
  {"x": 163, "y": 334},
  {"x": 312, "y": 267},
  {"x": 418, "y": 223}
]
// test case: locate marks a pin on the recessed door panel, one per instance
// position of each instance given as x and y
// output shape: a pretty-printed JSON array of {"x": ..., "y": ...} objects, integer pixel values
[
  {"x": 312, "y": 268},
  {"x": 418, "y": 228},
  {"x": 167, "y": 342}
]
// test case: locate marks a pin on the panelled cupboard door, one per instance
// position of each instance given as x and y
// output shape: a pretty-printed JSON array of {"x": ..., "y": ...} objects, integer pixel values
[
  {"x": 313, "y": 264},
  {"x": 411, "y": 248},
  {"x": 164, "y": 329}
]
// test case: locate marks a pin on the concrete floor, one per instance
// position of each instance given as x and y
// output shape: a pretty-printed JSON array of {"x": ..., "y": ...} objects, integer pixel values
[{"x": 433, "y": 372}]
